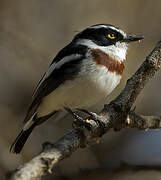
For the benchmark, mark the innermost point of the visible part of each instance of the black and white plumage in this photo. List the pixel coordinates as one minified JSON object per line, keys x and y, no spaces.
{"x":84,"y":72}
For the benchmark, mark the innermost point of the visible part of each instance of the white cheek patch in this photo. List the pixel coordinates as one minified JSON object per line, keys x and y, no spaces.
{"x":117,"y":51}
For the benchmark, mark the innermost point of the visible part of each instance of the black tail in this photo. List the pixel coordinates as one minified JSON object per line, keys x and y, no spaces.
{"x":21,"y":139}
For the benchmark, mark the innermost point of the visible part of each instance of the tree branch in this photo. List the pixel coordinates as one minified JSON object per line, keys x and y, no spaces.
{"x":143,"y":122}
{"x":115,"y":115}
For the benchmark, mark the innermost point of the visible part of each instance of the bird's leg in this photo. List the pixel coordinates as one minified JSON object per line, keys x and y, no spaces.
{"x":78,"y":120}
{"x":94,"y":117}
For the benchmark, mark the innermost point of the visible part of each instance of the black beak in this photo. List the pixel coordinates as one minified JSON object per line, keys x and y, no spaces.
{"x":131,"y":38}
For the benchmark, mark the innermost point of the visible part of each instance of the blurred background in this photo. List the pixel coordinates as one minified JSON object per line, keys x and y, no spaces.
{"x":31,"y":34}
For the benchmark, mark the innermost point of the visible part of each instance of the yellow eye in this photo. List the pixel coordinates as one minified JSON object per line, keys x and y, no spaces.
{"x":111,"y":36}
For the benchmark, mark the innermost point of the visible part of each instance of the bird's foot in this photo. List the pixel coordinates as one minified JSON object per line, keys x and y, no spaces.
{"x":78,"y":120}
{"x":94,"y":117}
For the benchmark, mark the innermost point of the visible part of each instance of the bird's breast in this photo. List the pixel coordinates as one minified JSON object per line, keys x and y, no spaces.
{"x":101,"y":82}
{"x":103,"y":59}
{"x":93,"y":83}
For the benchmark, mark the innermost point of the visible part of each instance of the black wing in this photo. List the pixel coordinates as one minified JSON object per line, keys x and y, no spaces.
{"x":65,"y":66}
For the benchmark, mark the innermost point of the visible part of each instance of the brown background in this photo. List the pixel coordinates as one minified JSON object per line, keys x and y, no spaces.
{"x":31,"y":33}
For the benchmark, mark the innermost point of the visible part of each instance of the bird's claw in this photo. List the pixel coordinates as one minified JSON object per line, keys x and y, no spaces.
{"x":94,"y":117}
{"x":78,"y":120}
{"x":81,"y":123}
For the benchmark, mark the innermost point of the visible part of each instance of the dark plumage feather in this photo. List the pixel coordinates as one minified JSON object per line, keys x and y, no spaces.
{"x":59,"y":74}
{"x":21,"y":139}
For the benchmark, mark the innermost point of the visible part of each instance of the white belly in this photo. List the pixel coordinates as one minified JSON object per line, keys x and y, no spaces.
{"x":82,"y":92}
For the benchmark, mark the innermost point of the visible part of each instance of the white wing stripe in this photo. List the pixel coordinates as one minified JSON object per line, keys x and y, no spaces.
{"x":58,"y":65}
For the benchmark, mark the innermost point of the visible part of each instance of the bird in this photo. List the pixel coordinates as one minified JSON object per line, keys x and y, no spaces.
{"x":83,"y":73}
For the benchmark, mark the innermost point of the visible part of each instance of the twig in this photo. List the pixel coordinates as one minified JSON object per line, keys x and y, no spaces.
{"x":143,"y":122}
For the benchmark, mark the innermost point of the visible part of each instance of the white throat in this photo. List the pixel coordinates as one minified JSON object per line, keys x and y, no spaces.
{"x":117,"y":51}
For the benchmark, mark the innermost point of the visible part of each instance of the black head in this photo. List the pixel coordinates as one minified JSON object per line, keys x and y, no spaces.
{"x":105,"y":35}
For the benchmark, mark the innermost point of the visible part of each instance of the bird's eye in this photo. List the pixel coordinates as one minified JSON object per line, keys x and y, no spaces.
{"x":111,"y":36}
